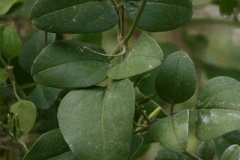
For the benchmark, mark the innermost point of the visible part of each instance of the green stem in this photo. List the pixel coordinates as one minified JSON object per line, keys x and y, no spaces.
{"x":155,"y":113}
{"x":23,"y":145}
{"x":131,"y":30}
{"x":115,"y":4}
{"x":13,"y":82}
{"x":145,"y":116}
{"x":28,"y":85}
{"x":121,"y":24}
{"x":198,"y":21}
{"x":2,"y":61}
{"x":191,"y":156}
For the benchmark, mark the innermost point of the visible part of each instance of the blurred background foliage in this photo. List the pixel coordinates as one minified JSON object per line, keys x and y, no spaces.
{"x":212,"y":39}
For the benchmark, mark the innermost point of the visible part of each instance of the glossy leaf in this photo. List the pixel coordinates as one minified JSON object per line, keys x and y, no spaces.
{"x":137,"y":142}
{"x":176,"y":79}
{"x":145,"y":55}
{"x":165,"y":154}
{"x":209,"y":122}
{"x":3,"y":75}
{"x":5,"y":5}
{"x":92,"y":121}
{"x":161,"y":15}
{"x":220,"y":93}
{"x":10,"y":43}
{"x":32,"y":48}
{"x":218,"y":104}
{"x":231,"y":153}
{"x":206,"y":150}
{"x":172,"y":132}
{"x":27,"y":114}
{"x":43,"y":96}
{"x":70,"y":16}
{"x":70,"y":64}
{"x":49,"y":145}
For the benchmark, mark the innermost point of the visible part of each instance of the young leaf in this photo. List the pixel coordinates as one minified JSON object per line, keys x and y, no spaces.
{"x":172,"y":132}
{"x":145,"y":55}
{"x":160,"y":15}
{"x":27,"y":114}
{"x":32,"y":48}
{"x":43,"y":96}
{"x":176,"y":79}
{"x":97,"y":123}
{"x":207,"y":150}
{"x":165,"y":154}
{"x":3,"y":75}
{"x":70,"y":64}
{"x":80,"y":16}
{"x":231,"y":153}
{"x":10,"y":42}
{"x":49,"y":145}
{"x":218,"y":105}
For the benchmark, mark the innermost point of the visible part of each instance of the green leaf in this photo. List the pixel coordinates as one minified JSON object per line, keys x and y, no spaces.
{"x":207,"y":150}
{"x":49,"y":145}
{"x":147,"y":85}
{"x":176,"y":79}
{"x":70,"y":64}
{"x":80,"y":16}
{"x":231,"y":153}
{"x":27,"y":114}
{"x":32,"y":48}
{"x":227,"y":6}
{"x":5,"y":5}
{"x":160,"y":15}
{"x":145,"y":55}
{"x":218,"y":104}
{"x":10,"y":45}
{"x":95,"y":38}
{"x":228,"y":139}
{"x":43,"y":96}
{"x":3,"y":75}
{"x":172,"y":132}
{"x":137,"y":142}
{"x":220,"y":93}
{"x":209,"y":122}
{"x":97,"y":123}
{"x":165,"y":154}
{"x":65,"y":156}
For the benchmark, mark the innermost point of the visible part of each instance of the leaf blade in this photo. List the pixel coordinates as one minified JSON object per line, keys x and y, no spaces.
{"x":55,"y":16}
{"x":93,"y":123}
{"x":42,"y":149}
{"x":160,"y":15}
{"x":172,"y":132}
{"x":70,"y":64}
{"x":27,"y":114}
{"x":145,"y":55}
